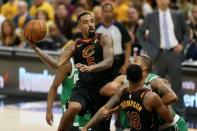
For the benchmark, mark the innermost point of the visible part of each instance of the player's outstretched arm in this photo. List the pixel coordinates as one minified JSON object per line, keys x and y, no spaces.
{"x":108,"y":55}
{"x":52,"y":62}
{"x":162,"y":87}
{"x":154,"y":102}
{"x":113,"y":87}
{"x":104,"y":111}
{"x":61,"y":73}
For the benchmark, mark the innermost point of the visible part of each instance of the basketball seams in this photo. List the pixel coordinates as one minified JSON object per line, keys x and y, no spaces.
{"x":36,"y":30}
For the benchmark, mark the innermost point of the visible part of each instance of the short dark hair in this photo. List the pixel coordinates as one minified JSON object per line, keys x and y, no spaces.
{"x":147,"y":61}
{"x":134,"y":73}
{"x":82,"y":14}
{"x":107,"y":4}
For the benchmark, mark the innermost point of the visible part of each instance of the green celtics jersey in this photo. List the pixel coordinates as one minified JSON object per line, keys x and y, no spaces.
{"x":149,"y":78}
{"x":68,"y":84}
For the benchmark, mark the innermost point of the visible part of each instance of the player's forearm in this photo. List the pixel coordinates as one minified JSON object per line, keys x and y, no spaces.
{"x":169,"y":98}
{"x":167,"y":115}
{"x":105,"y":64}
{"x":47,"y":59}
{"x":160,"y":107}
{"x":110,"y":89}
{"x":50,"y":99}
{"x":168,"y":95}
{"x":163,"y":88}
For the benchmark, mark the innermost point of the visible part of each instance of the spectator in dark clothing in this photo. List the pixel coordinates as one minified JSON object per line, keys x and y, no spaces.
{"x":21,"y":19}
{"x":120,"y":37}
{"x":167,"y":37}
{"x":43,"y":16}
{"x":64,"y":24}
{"x":23,"y":16}
{"x":192,"y":50}
{"x":55,"y":40}
{"x":79,"y":8}
{"x":132,"y":26}
{"x":69,"y":7}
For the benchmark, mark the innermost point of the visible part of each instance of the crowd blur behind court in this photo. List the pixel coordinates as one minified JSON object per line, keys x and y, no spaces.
{"x":60,"y":18}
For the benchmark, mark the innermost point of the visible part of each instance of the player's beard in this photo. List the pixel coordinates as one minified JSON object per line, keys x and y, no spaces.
{"x":91,"y":34}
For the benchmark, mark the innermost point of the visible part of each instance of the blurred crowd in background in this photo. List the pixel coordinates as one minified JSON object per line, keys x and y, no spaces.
{"x":60,"y":18}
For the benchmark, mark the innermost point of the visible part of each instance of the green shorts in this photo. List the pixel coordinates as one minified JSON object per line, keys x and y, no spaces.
{"x":180,"y":125}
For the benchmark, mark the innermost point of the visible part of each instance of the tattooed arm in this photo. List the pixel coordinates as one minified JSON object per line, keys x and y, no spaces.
{"x":108,"y":54}
{"x":103,"y":111}
{"x":162,"y":87}
{"x":52,"y":62}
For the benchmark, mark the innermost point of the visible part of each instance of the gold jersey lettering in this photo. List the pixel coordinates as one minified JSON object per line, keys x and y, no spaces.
{"x":131,"y":103}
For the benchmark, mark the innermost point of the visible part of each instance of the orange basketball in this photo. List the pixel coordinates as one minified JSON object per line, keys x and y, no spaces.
{"x":35,"y":30}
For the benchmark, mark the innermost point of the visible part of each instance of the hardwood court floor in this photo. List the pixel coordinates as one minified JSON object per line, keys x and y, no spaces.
{"x":29,"y":116}
{"x":24,"y":120}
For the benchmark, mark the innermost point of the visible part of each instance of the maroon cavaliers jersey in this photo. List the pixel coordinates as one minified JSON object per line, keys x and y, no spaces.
{"x":139,"y":118}
{"x":90,"y":52}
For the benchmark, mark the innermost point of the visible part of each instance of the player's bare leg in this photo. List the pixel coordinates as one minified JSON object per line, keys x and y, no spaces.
{"x":69,"y":115}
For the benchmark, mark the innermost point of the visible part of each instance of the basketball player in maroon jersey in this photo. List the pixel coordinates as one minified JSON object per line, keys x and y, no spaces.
{"x":93,"y":56}
{"x":139,"y":104}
